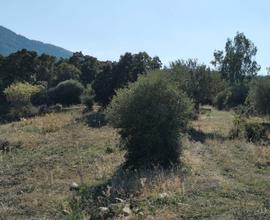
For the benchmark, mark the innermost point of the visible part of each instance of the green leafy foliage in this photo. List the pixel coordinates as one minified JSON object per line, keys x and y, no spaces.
{"x":251,"y":129}
{"x":118,"y":75}
{"x":66,"y":71}
{"x":150,"y":114}
{"x":231,"y":97}
{"x":199,"y":82}
{"x":104,"y":77}
{"x":19,"y":66}
{"x":19,"y":112}
{"x":104,"y":84}
{"x":19,"y":94}
{"x":259,"y":96}
{"x":67,"y":92}
{"x":41,"y":98}
{"x":237,"y":63}
{"x":87,"y":98}
{"x":45,"y":66}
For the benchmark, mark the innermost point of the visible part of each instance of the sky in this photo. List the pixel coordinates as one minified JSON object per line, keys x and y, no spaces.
{"x":170,"y":29}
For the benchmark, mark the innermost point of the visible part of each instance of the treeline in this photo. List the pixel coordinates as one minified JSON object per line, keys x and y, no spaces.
{"x":233,"y":83}
{"x":28,"y":80}
{"x":29,"y":83}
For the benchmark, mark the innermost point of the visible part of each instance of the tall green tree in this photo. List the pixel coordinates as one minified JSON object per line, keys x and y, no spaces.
{"x":130,"y":66}
{"x":116,"y":75}
{"x":19,"y":66}
{"x":90,"y":69}
{"x":77,"y":59}
{"x":236,"y":63}
{"x":197,"y":80}
{"x":66,"y":71}
{"x":88,"y":65}
{"x":45,"y":68}
{"x":104,"y":84}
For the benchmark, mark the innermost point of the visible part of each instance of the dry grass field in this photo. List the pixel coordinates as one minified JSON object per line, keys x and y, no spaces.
{"x":41,"y":157}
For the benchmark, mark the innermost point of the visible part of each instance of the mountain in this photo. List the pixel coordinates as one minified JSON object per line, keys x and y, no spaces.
{"x":11,"y":42}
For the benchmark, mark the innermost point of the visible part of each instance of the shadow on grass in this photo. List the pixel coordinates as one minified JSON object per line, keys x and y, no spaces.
{"x":121,"y":193}
{"x":200,"y":136}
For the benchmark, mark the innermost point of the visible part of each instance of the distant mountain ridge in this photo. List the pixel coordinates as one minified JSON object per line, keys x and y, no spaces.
{"x":11,"y":42}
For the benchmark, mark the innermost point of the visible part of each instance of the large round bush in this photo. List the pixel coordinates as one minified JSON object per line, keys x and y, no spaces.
{"x":149,"y":115}
{"x":67,"y":92}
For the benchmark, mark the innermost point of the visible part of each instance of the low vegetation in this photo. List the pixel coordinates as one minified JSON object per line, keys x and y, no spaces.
{"x":88,"y":139}
{"x":220,"y":178}
{"x":252,"y":129}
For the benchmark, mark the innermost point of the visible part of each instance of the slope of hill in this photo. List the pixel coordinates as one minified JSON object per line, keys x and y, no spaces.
{"x":11,"y":42}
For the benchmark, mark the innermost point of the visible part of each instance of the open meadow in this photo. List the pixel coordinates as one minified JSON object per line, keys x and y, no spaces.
{"x":42,"y":157}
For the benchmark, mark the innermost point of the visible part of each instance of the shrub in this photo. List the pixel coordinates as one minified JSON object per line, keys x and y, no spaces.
{"x":252,"y":129}
{"x":197,"y":80}
{"x":18,"y":112}
{"x":244,"y":110}
{"x":44,"y":109}
{"x":237,"y":95}
{"x":231,"y":97}
{"x":66,"y":93}
{"x":40,"y":98}
{"x":19,"y":94}
{"x":87,"y":98}
{"x":259,"y":98}
{"x":150,"y":114}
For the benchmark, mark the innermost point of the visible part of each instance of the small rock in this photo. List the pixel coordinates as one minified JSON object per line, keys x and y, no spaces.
{"x":74,"y":186}
{"x":163,"y":195}
{"x":140,"y":213}
{"x":127,"y":210}
{"x":103,"y":209}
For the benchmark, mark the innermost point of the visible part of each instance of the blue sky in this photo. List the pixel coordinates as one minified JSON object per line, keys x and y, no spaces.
{"x":171,"y":29}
